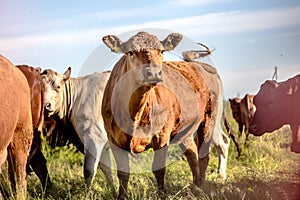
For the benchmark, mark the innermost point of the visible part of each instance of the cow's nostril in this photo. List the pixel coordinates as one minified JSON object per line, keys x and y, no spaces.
{"x":160,"y":73}
{"x":148,"y":73}
{"x":48,"y":105}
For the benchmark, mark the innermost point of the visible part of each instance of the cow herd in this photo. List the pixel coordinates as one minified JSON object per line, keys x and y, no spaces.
{"x":144,"y":102}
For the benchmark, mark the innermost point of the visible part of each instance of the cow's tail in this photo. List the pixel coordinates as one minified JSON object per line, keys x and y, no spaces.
{"x":229,"y":131}
{"x":224,"y":118}
{"x":41,"y":118}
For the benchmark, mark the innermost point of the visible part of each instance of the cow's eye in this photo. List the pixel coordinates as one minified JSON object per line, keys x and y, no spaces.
{"x":130,"y":53}
{"x":58,"y":87}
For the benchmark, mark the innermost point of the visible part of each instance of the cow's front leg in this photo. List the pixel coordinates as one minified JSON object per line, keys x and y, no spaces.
{"x":123,"y":170}
{"x":159,"y":167}
{"x":295,"y":146}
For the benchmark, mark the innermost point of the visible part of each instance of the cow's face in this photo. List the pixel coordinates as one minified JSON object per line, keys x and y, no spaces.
{"x":144,"y":54}
{"x":146,"y":65}
{"x":53,"y":84}
{"x":266,"y":102}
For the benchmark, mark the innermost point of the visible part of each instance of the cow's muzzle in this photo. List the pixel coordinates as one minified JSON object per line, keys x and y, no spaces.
{"x":153,"y":74}
{"x":48,"y":111}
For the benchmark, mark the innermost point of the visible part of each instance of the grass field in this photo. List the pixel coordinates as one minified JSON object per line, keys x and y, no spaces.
{"x":266,"y":170}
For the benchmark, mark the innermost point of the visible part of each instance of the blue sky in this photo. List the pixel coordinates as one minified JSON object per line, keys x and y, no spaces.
{"x":250,"y":37}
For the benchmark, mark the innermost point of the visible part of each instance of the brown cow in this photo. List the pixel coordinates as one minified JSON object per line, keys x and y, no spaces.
{"x":15,"y":124}
{"x":278,"y":104}
{"x":149,"y":103}
{"x":243,"y":111}
{"x":36,"y":158}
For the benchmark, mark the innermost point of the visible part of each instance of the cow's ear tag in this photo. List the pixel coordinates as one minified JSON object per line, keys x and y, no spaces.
{"x":290,"y":90}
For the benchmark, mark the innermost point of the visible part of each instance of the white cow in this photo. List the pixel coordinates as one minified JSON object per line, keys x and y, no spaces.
{"x":77,"y":102}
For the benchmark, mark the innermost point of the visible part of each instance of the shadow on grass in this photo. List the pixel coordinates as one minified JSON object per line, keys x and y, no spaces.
{"x":251,"y":189}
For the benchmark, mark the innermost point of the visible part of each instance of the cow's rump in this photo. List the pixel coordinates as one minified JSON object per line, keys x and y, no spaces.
{"x":15,"y":124}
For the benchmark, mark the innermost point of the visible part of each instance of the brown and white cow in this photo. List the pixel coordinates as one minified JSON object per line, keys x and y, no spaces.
{"x":36,"y":159}
{"x":76,"y":104}
{"x":243,"y":111}
{"x":148,"y":103}
{"x":15,"y":124}
{"x":278,"y":104}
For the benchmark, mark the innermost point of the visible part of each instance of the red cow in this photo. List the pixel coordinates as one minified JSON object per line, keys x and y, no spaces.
{"x":36,"y":158}
{"x":278,"y":104}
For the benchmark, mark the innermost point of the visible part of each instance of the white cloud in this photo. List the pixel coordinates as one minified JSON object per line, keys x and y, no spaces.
{"x":60,"y":42}
{"x":233,"y":21}
{"x":213,"y":23}
{"x":189,"y":3}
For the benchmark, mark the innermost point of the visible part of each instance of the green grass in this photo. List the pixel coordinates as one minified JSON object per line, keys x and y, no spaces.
{"x":266,"y":170}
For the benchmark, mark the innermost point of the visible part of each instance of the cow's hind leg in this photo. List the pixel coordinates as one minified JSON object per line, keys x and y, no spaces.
{"x":91,"y":161}
{"x":17,"y":159}
{"x":37,"y":161}
{"x":3,"y":156}
{"x":222,"y":147}
{"x":191,"y":152}
{"x":105,"y":166}
{"x":159,"y":168}
{"x":123,"y":170}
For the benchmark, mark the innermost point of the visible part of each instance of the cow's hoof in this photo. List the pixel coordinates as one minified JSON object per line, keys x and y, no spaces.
{"x":162,"y":194}
{"x":295,"y":147}
{"x":123,"y":196}
{"x":196,"y":190}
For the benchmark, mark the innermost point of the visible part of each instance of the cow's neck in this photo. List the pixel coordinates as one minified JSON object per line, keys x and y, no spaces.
{"x":140,"y":107}
{"x":68,"y":96}
{"x":138,"y":102}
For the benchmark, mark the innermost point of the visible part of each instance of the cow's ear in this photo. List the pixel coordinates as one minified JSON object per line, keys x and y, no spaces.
{"x":113,"y":42}
{"x":38,"y":69}
{"x":67,"y":74}
{"x":172,"y":41}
